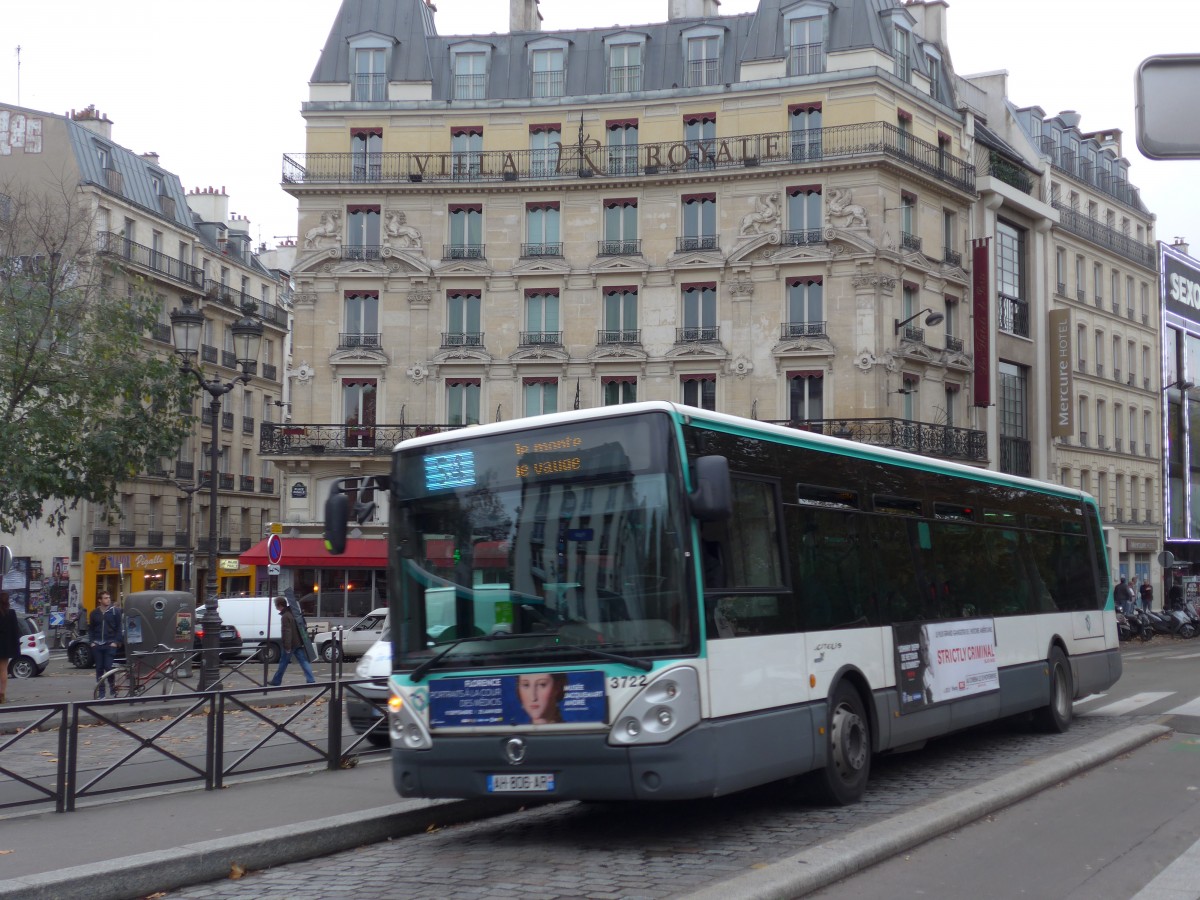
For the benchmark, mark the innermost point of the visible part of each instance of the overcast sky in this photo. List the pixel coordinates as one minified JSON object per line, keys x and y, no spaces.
{"x":215,"y":87}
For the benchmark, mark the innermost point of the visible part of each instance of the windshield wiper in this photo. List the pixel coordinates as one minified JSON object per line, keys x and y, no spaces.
{"x":423,"y":669}
{"x":635,"y":662}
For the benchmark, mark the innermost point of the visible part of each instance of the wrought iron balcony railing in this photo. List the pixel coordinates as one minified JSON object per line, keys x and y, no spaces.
{"x":619,"y":248}
{"x":801,"y":237}
{"x":1100,"y":234}
{"x":951,"y":257}
{"x":246,"y":483}
{"x":462,"y":338}
{"x":839,"y":142}
{"x":910,"y":241}
{"x":185,"y":469}
{"x":619,"y":336}
{"x":182,"y":539}
{"x":266,"y":485}
{"x":542,"y":338}
{"x":534,"y":250}
{"x":354,"y":340}
{"x":100,"y":537}
{"x":801,"y":329}
{"x":1013,"y":315}
{"x":470,"y":87}
{"x":154,"y":538}
{"x":1016,"y":456}
{"x":624,"y":78}
{"x":697,"y":242}
{"x":463,"y":251}
{"x":806,"y":59}
{"x":151,"y":260}
{"x":127,"y":538}
{"x":703,"y":334}
{"x":302,"y":440}
{"x":225,"y":481}
{"x":943,"y":441}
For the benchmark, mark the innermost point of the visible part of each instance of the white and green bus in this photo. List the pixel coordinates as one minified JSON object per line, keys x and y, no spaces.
{"x":656,"y":602}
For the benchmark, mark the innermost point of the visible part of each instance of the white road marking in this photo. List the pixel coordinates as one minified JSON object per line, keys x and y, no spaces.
{"x":1129,"y":704}
{"x":1191,"y":708}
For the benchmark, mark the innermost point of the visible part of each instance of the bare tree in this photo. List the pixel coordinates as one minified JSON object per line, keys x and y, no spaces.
{"x":85,"y":403}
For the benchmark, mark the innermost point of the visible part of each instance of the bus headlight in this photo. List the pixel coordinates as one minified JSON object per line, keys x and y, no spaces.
{"x":406,"y":726}
{"x":661,"y":711}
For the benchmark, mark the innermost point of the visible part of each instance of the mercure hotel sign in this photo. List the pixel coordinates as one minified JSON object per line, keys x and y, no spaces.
{"x":1062,"y":418}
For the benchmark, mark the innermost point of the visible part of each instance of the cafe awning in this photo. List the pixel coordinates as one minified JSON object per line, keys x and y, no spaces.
{"x":361,"y":553}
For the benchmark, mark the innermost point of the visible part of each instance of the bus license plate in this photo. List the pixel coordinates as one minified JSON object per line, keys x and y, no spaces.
{"x":509,"y":783}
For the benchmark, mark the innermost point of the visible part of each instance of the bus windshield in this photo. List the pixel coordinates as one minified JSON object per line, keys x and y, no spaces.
{"x":560,"y":543}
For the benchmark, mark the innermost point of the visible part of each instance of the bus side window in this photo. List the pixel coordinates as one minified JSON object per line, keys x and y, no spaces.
{"x":891,"y":551}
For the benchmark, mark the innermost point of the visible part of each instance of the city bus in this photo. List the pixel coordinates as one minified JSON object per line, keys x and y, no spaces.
{"x":656,"y":602}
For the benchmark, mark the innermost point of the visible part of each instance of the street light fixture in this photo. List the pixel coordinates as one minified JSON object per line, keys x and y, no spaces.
{"x":934,"y":318}
{"x":190,"y":567}
{"x":187,"y":326}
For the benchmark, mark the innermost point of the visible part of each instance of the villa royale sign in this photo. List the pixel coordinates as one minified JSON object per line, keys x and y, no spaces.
{"x":1062,"y":418}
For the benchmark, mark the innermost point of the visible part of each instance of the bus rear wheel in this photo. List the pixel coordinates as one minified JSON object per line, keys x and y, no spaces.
{"x":1055,"y":716}
{"x":843,"y":780}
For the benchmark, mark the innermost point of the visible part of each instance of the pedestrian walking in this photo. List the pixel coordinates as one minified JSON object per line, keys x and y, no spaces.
{"x":293,"y":644}
{"x":107,"y":637}
{"x":10,"y":641}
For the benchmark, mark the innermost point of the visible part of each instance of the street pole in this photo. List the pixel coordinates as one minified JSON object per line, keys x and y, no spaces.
{"x":187,"y":324}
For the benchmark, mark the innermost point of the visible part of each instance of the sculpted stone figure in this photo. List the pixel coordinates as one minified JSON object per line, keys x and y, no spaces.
{"x":764,"y":218}
{"x":840,"y":207}
{"x":328,"y":228}
{"x":400,"y":233}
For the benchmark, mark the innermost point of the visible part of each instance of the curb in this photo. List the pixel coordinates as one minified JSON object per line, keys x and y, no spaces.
{"x":823,"y":864}
{"x":149,"y":873}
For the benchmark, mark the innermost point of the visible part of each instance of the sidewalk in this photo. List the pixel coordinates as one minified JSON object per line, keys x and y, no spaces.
{"x":136,"y":847}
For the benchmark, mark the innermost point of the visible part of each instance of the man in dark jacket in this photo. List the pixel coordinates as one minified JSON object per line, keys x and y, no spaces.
{"x":107,"y":637}
{"x":1123,"y":597}
{"x":293,"y":644}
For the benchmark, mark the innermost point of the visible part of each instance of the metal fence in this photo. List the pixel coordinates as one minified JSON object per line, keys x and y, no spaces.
{"x":60,"y":754}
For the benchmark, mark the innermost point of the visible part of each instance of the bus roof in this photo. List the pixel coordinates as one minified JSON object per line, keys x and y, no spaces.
{"x":750,"y":426}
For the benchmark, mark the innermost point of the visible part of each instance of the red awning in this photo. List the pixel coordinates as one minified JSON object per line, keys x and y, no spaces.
{"x":361,"y":553}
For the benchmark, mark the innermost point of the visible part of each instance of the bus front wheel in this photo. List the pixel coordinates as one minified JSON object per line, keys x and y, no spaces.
{"x":1055,"y":716}
{"x":843,"y":780}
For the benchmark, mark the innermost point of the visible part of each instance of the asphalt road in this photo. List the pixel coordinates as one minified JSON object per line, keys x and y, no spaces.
{"x":755,"y":844}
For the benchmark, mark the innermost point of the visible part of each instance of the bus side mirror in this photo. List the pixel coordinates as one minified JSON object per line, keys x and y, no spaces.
{"x":337,"y":512}
{"x":712,"y":499}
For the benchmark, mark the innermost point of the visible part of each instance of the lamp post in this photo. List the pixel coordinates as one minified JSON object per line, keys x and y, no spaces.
{"x":189,"y":490}
{"x":187,"y":326}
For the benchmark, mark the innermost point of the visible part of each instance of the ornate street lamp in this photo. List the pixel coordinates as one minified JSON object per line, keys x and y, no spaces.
{"x":187,"y":326}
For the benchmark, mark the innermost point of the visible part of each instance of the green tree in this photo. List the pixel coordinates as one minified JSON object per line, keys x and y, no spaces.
{"x":85,"y":403}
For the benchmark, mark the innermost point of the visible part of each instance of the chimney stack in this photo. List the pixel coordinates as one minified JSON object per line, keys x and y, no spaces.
{"x":523,"y":15}
{"x":93,"y":121}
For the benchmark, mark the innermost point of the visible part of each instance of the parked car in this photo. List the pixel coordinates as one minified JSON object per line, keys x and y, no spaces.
{"x":366,"y":704}
{"x":356,"y":640}
{"x":35,"y":653}
{"x":229,"y":646}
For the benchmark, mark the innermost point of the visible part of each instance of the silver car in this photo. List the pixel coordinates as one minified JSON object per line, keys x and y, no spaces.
{"x":366,"y":704}
{"x":356,"y":640}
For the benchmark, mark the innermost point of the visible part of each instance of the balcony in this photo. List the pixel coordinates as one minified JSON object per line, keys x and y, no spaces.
{"x":185,"y":469}
{"x":619,"y":248}
{"x":370,"y":86}
{"x":625,"y":336}
{"x":910,"y":242}
{"x":304,"y":440}
{"x":541,"y":338}
{"x":706,"y":334}
{"x":269,"y":372}
{"x":266,"y":485}
{"x":462,"y":339}
{"x":470,"y":87}
{"x":154,"y":538}
{"x":182,"y":539}
{"x":532,"y":251}
{"x":246,"y":483}
{"x":161,"y":333}
{"x":863,"y":141}
{"x":1103,"y":236}
{"x":356,"y":340}
{"x":150,"y":260}
{"x":225,"y":481}
{"x":227,"y":421}
{"x":1012,"y":315}
{"x":245,"y":544}
{"x":914,"y":333}
{"x":942,"y":441}
{"x":953,"y":344}
{"x":1016,"y":456}
{"x":951,"y":257}
{"x":362,"y":252}
{"x":623,"y":79}
{"x":224,"y":545}
{"x":992,"y":163}
{"x":806,"y":59}
{"x":247,"y":424}
{"x":801,"y":237}
{"x":697,"y":242}
{"x":100,"y":538}
{"x":127,"y":538}
{"x":204,"y":478}
{"x":463,"y":251}
{"x":791,"y":330}
{"x":701,"y":72}
{"x":548,"y":83}
{"x":208,"y":353}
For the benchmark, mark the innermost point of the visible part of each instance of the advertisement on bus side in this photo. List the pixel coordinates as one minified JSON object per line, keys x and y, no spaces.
{"x":940,"y":661}
{"x":533,"y":698}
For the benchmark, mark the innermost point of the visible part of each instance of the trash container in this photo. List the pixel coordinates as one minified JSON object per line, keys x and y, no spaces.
{"x":159,"y":618}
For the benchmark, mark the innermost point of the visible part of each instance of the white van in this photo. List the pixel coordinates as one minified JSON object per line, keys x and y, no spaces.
{"x":255,"y":619}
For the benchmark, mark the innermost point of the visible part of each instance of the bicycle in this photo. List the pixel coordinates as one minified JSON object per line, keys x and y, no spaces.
{"x":132,"y":678}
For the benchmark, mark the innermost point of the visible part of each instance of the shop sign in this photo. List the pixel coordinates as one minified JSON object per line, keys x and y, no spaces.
{"x":1141,"y":545}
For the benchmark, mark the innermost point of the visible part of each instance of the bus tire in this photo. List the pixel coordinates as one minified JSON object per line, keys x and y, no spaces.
{"x":1055,"y":716}
{"x":843,"y":779}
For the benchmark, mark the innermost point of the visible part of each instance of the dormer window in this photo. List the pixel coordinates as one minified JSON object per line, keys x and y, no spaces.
{"x":370,"y":74}
{"x":806,"y":46}
{"x":902,"y":53}
{"x":934,"y":60}
{"x":703,"y":59}
{"x":469,"y":64}
{"x":548,"y":72}
{"x":624,"y":68}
